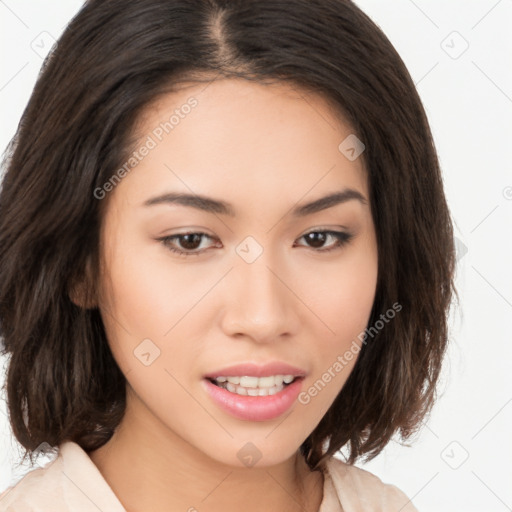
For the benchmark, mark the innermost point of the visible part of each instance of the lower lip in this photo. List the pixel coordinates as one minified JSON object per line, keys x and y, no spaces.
{"x":255,"y":408}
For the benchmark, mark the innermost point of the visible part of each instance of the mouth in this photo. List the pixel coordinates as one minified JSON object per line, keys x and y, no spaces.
{"x":252,"y":398}
{"x":254,"y":386}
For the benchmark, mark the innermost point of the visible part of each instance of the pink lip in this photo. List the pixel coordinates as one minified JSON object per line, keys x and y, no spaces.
{"x":255,"y":370}
{"x":254,"y":408}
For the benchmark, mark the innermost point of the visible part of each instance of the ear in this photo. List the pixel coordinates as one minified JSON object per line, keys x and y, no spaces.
{"x":81,"y":289}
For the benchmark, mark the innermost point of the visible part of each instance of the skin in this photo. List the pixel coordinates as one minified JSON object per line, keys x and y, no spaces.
{"x":264,"y":149}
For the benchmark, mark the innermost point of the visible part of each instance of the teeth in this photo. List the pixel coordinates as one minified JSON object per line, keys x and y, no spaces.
{"x":254,"y":391}
{"x":254,"y":386}
{"x":250,"y":382}
{"x":257,"y":382}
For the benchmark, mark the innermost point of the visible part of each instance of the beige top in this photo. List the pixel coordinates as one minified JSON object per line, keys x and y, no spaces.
{"x":73,"y":483}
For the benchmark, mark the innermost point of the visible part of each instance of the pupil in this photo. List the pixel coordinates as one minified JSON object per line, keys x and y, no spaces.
{"x":317,"y":237}
{"x":188,"y":244}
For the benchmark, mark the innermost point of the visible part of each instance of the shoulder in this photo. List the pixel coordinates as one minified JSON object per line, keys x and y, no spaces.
{"x":34,"y":491}
{"x":69,"y":483}
{"x":359,"y":490}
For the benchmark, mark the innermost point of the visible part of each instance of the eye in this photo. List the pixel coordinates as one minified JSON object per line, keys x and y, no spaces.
{"x":187,"y":244}
{"x":319,"y":237}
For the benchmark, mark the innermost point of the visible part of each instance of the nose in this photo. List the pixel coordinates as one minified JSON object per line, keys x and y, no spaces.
{"x":259,"y":301}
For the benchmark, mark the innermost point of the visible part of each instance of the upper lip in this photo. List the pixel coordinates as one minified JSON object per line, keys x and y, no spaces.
{"x":257,"y":370}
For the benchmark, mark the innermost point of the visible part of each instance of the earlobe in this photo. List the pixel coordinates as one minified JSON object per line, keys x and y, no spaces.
{"x":81,"y":290}
{"x":78,"y":294}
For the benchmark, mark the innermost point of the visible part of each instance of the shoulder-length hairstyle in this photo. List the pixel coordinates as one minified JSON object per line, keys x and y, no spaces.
{"x":113,"y":60}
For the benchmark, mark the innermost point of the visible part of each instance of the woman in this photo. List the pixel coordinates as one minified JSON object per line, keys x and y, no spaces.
{"x":225,"y":255}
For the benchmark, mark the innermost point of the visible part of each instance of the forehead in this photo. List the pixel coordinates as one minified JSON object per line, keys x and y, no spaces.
{"x":241,"y":140}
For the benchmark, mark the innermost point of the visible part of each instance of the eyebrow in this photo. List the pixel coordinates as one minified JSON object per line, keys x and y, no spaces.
{"x":211,"y":205}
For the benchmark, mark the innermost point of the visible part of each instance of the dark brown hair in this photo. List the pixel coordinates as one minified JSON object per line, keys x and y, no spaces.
{"x":113,"y":60}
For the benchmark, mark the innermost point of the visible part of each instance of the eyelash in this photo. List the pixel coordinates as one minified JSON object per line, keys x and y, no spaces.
{"x":342,"y":238}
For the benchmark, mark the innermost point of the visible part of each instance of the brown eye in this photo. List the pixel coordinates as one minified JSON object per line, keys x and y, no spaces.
{"x":317,"y":239}
{"x":185,"y":244}
{"x":190,"y":242}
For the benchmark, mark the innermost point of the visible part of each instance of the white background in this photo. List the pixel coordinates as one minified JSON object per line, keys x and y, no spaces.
{"x":461,"y":459}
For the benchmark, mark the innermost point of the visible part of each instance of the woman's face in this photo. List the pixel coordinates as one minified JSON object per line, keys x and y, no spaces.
{"x":262,"y":284}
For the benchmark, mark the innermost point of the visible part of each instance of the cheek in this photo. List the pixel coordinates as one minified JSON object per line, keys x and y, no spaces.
{"x":151,"y":295}
{"x":150,"y":299}
{"x":148,"y":324}
{"x":343,"y":296}
{"x":352,"y":304}
{"x":343,"y":293}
